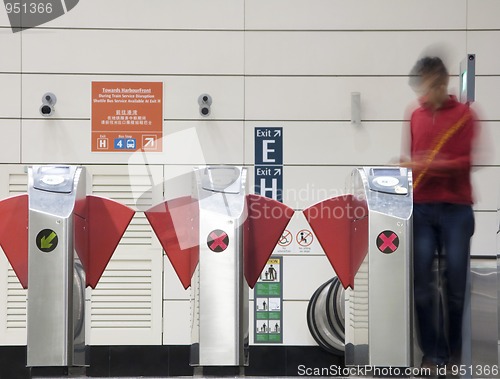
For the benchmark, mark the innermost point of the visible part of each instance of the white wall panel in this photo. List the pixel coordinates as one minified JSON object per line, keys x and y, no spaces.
{"x":54,"y":141}
{"x":60,"y":141}
{"x":486,"y":183}
{"x":10,"y":43}
{"x":484,"y":238}
{"x":302,"y":275}
{"x":133,"y":52}
{"x":295,"y":330}
{"x":482,"y":43}
{"x":4,"y":21}
{"x":154,"y":14}
{"x":178,"y":181}
{"x":203,"y":142}
{"x":356,"y":15}
{"x":176,"y":323}
{"x":483,"y":14}
{"x":10,"y":105}
{"x":180,"y":94}
{"x":11,"y":135}
{"x":172,"y":286}
{"x":304,"y":186}
{"x":487,"y":150}
{"x":487,"y":97}
{"x":346,"y":53}
{"x":329,"y":98}
{"x":325,"y":98}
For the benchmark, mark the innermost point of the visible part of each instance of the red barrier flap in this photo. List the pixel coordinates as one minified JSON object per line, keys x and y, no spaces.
{"x":98,"y":235}
{"x":176,"y":224}
{"x":266,"y":220}
{"x":14,"y":234}
{"x":341,"y":226}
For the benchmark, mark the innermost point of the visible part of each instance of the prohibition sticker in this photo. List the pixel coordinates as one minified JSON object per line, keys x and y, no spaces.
{"x":217,"y":240}
{"x":304,"y":237}
{"x":285,"y":239}
{"x":387,"y":242}
{"x":46,"y":240}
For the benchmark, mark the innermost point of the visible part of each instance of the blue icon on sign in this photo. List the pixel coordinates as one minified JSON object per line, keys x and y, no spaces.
{"x":119,"y":143}
{"x":131,"y":143}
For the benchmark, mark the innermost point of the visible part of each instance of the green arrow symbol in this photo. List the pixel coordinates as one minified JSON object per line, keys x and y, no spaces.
{"x":45,"y":242}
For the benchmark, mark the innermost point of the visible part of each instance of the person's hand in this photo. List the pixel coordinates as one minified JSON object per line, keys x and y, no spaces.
{"x":417,"y":163}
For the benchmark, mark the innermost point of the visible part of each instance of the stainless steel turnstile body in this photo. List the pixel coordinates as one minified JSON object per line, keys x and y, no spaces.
{"x":378,"y":308}
{"x":56,"y":292}
{"x":219,"y":291}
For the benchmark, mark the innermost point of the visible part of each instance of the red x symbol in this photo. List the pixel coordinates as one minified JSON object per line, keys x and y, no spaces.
{"x":218,"y":240}
{"x":390,"y":241}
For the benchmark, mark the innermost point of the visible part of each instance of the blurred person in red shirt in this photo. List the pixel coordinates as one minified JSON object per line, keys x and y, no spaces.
{"x":441,"y":140}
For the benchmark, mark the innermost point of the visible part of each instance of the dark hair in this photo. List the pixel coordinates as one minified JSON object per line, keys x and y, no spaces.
{"x":425,"y":67}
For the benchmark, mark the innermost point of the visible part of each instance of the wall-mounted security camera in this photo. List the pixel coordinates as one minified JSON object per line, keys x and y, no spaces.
{"x":205,"y":101}
{"x":48,"y":102}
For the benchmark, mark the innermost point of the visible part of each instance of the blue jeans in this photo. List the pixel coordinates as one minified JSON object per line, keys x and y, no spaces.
{"x":444,"y":231}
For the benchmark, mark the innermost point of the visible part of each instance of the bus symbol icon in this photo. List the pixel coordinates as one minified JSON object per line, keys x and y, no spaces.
{"x":130,"y":143}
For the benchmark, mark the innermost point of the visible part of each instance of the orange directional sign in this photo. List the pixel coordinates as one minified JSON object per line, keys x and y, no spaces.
{"x":127,"y":116}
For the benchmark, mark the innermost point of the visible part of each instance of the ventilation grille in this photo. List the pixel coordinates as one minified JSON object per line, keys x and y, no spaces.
{"x":123,"y":297}
{"x":18,"y":184}
{"x":16,"y":302}
{"x":117,"y":187}
{"x":16,"y":295}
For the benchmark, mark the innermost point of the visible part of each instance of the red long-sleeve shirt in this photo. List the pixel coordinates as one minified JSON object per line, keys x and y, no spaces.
{"x":447,"y":177}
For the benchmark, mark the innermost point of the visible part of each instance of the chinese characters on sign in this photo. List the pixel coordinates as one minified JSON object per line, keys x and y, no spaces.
{"x":127,"y":116}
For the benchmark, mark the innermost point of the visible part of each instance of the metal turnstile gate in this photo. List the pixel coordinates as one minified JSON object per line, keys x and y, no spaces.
{"x":219,"y":292}
{"x":379,"y":330}
{"x":59,"y":240}
{"x":367,"y":236}
{"x":56,"y":292}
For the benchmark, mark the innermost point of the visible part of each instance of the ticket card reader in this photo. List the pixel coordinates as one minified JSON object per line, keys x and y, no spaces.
{"x":56,"y":291}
